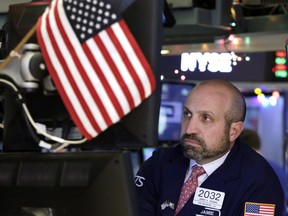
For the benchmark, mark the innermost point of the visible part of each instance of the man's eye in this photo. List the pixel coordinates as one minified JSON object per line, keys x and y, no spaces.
{"x":206,"y":118}
{"x":186,"y":114}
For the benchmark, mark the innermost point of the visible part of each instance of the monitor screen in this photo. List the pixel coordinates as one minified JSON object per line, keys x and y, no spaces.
{"x":147,"y":153}
{"x":173,"y":96}
{"x":67,"y":184}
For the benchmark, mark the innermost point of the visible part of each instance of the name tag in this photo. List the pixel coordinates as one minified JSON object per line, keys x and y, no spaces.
{"x":208,"y":198}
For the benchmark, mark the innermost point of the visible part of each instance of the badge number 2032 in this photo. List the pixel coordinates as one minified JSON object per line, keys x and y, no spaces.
{"x":209,"y":198}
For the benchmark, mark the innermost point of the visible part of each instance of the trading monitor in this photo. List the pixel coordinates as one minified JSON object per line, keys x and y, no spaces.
{"x":67,"y":184}
{"x":173,"y":97}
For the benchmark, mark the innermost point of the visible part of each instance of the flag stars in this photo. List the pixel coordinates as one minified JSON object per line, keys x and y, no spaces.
{"x":105,"y":21}
{"x":93,"y":9}
{"x":90,"y":31}
{"x":108,"y":6}
{"x":89,"y":16}
{"x":114,"y":16}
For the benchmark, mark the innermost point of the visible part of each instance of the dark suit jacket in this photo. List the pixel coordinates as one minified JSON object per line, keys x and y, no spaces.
{"x":245,"y":176}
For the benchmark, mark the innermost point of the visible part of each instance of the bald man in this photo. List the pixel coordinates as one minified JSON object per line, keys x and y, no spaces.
{"x":210,"y":172}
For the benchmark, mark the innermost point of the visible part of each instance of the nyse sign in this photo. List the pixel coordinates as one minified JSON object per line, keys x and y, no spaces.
{"x":252,"y":66}
{"x":213,"y":62}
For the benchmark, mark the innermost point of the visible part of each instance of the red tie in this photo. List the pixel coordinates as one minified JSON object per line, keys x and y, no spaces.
{"x":189,"y":187}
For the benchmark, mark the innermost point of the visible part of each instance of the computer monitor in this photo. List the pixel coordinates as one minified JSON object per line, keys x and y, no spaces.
{"x":137,"y":129}
{"x":173,"y":96}
{"x":146,"y":153}
{"x":67,"y":184}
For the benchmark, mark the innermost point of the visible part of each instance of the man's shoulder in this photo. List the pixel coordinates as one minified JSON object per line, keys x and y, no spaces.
{"x":169,"y":153}
{"x":254,"y":162}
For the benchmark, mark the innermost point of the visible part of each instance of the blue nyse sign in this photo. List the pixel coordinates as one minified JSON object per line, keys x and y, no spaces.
{"x":252,"y":67}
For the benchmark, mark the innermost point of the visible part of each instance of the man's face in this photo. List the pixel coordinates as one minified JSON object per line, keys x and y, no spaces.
{"x":204,"y":133}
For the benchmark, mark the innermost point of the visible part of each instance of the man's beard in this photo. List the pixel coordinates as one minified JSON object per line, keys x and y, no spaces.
{"x":202,"y":151}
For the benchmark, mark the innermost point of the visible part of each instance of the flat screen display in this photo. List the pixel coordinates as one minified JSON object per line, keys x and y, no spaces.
{"x":173,"y":96}
{"x":67,"y":184}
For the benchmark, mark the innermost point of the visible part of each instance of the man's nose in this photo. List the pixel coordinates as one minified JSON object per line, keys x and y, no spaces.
{"x":192,"y":126}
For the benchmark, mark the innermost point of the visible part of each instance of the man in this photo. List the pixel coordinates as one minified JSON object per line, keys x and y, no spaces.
{"x":232,"y":178}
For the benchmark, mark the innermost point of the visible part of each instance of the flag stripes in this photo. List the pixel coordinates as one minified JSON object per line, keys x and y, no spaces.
{"x":100,"y":80}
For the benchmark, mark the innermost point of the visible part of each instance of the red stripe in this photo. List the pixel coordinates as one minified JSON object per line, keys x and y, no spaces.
{"x":57,"y":82}
{"x":104,"y":81}
{"x":127,"y":61}
{"x":140,"y":55}
{"x":115,"y":70}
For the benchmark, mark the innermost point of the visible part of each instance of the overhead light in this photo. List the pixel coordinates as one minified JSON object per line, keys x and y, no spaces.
{"x":165,"y":52}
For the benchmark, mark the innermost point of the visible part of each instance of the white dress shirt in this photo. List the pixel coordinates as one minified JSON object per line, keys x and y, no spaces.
{"x":209,"y":168}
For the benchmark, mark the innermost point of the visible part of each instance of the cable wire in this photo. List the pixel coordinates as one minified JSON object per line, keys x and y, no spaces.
{"x":63,"y":142}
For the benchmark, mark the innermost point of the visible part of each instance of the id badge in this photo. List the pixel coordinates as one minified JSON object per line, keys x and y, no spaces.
{"x":208,"y":198}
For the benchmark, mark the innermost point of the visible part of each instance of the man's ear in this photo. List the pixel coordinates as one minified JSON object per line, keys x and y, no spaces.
{"x":235,"y":130}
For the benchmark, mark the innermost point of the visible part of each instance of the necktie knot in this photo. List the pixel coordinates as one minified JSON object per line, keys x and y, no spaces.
{"x":197,"y":171}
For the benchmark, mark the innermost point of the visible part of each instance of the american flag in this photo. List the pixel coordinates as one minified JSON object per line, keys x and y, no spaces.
{"x":253,"y":209}
{"x":95,"y":62}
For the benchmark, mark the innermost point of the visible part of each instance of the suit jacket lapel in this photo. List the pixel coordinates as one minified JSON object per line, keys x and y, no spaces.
{"x":173,"y":178}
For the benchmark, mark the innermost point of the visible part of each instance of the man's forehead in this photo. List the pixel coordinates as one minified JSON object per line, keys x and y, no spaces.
{"x":210,"y":92}
{"x":209,"y":100}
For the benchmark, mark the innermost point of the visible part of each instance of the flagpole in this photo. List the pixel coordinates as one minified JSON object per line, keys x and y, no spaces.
{"x":14,"y":52}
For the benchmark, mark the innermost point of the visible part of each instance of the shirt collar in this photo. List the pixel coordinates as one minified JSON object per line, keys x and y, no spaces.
{"x":212,"y":166}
